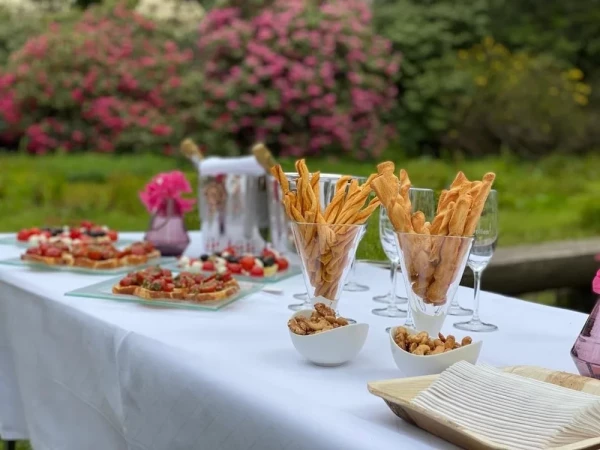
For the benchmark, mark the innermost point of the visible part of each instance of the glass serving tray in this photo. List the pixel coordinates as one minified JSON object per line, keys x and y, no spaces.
{"x":12,"y":240}
{"x":103,"y":290}
{"x":116,"y":271}
{"x":279,"y":276}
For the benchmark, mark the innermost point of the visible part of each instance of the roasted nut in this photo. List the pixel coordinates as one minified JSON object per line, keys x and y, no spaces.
{"x":439,"y":349}
{"x":427,"y":345}
{"x":322,"y":319}
{"x":422,"y":350}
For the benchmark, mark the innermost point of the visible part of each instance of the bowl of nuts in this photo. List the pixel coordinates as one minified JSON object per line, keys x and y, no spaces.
{"x":417,"y":353}
{"x":324,"y":338}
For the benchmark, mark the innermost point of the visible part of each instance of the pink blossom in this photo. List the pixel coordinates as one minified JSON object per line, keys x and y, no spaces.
{"x":596,"y":283}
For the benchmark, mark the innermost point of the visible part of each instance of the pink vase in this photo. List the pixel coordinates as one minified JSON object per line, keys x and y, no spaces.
{"x":586,"y":350}
{"x":167,"y":231}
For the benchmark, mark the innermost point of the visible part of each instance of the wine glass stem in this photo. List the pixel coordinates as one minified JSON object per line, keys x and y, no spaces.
{"x":393,"y":275}
{"x":477,"y":288}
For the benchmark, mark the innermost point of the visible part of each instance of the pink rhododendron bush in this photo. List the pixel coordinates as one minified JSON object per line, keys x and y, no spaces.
{"x":111,"y":82}
{"x":307,"y":77}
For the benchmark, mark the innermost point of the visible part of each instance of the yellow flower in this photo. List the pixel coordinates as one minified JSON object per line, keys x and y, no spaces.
{"x":574,"y":74}
{"x":497,"y":66}
{"x":488,"y":41}
{"x":553,"y":91}
{"x":463,"y":54}
{"x":480,"y":80}
{"x":580,"y":99}
{"x":583,"y":88}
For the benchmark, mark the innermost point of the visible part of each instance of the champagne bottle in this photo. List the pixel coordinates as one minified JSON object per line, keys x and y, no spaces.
{"x":264,"y":156}
{"x":189,"y":149}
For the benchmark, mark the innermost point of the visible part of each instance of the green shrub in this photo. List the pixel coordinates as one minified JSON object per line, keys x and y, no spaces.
{"x":529,"y":104}
{"x":425,"y":32}
{"x":15,"y":28}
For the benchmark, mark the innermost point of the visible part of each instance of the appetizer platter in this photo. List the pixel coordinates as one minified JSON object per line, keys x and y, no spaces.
{"x":86,"y":233}
{"x":159,"y":286}
{"x":268,"y":267}
{"x":88,"y":258}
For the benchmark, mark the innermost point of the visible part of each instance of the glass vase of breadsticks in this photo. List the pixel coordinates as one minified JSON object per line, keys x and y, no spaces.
{"x":433,"y":254}
{"x":326,"y":236}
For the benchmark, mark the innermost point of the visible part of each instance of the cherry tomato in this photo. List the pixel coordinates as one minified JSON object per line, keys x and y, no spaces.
{"x":94,"y":255}
{"x":24,"y":235}
{"x":53,"y":252}
{"x":257,"y":271}
{"x":224,"y":277}
{"x":166,"y":272}
{"x":230,"y":250}
{"x":87,"y":224}
{"x":266,"y":253}
{"x":282,"y":263}
{"x":208,"y":266}
{"x":75,"y":234}
{"x":206,"y":288}
{"x":168,"y":287}
{"x":112,"y":235}
{"x":34,"y":230}
{"x":137,"y":250}
{"x":247,"y":263}
{"x":234,"y":267}
{"x":127,"y":281}
{"x":34,"y":251}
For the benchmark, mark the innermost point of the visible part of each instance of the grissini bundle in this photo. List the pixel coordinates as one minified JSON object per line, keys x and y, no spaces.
{"x":432,"y":262}
{"x":326,"y":248}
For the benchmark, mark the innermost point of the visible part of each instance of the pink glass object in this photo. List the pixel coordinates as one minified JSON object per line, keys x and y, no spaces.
{"x":167,"y":231}
{"x":586,"y":350}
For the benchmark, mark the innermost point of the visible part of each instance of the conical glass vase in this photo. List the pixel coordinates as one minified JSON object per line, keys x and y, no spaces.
{"x":432,"y":267}
{"x":326,"y":252}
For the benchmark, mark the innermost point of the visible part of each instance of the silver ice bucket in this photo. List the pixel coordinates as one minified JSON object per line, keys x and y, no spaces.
{"x":233,"y":212}
{"x":281,"y":234}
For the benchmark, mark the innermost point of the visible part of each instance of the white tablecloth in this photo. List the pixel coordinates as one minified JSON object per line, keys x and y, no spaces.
{"x":79,"y":373}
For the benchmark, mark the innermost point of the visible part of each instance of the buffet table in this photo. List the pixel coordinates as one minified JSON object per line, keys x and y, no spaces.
{"x":79,"y":373}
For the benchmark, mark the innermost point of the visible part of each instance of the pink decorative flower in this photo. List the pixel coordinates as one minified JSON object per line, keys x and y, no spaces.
{"x":164,"y":186}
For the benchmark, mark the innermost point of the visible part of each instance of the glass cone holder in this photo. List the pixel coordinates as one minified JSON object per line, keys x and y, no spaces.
{"x":326,"y":252}
{"x":432,"y":267}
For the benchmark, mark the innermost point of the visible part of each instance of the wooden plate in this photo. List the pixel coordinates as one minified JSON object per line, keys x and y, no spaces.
{"x":398,"y":394}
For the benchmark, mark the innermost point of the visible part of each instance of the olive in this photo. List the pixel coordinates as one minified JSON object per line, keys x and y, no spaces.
{"x":203,"y":258}
{"x":233,"y":259}
{"x":269,"y":261}
{"x":217,"y":254}
{"x":96,"y":233}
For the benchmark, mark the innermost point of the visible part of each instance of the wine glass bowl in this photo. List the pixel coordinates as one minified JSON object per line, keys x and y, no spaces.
{"x":432,"y":267}
{"x":326,"y":252}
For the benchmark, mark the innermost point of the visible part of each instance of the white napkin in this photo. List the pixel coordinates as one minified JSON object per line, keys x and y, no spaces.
{"x":244,"y":165}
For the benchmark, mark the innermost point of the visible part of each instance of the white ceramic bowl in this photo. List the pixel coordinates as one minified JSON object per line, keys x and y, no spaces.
{"x":333,"y":347}
{"x":415,"y":366}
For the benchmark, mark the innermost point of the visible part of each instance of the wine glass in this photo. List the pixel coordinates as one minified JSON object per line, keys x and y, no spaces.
{"x":486,"y":238}
{"x":327,"y":184}
{"x":354,"y":286}
{"x":387,"y":237}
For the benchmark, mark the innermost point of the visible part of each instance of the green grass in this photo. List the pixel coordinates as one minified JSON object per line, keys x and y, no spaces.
{"x":552,"y":199}
{"x":20,"y":446}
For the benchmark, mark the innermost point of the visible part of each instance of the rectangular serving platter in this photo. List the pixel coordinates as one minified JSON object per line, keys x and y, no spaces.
{"x":12,"y":240}
{"x":84,"y":270}
{"x":103,"y":290}
{"x":398,"y":394}
{"x":279,"y":276}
